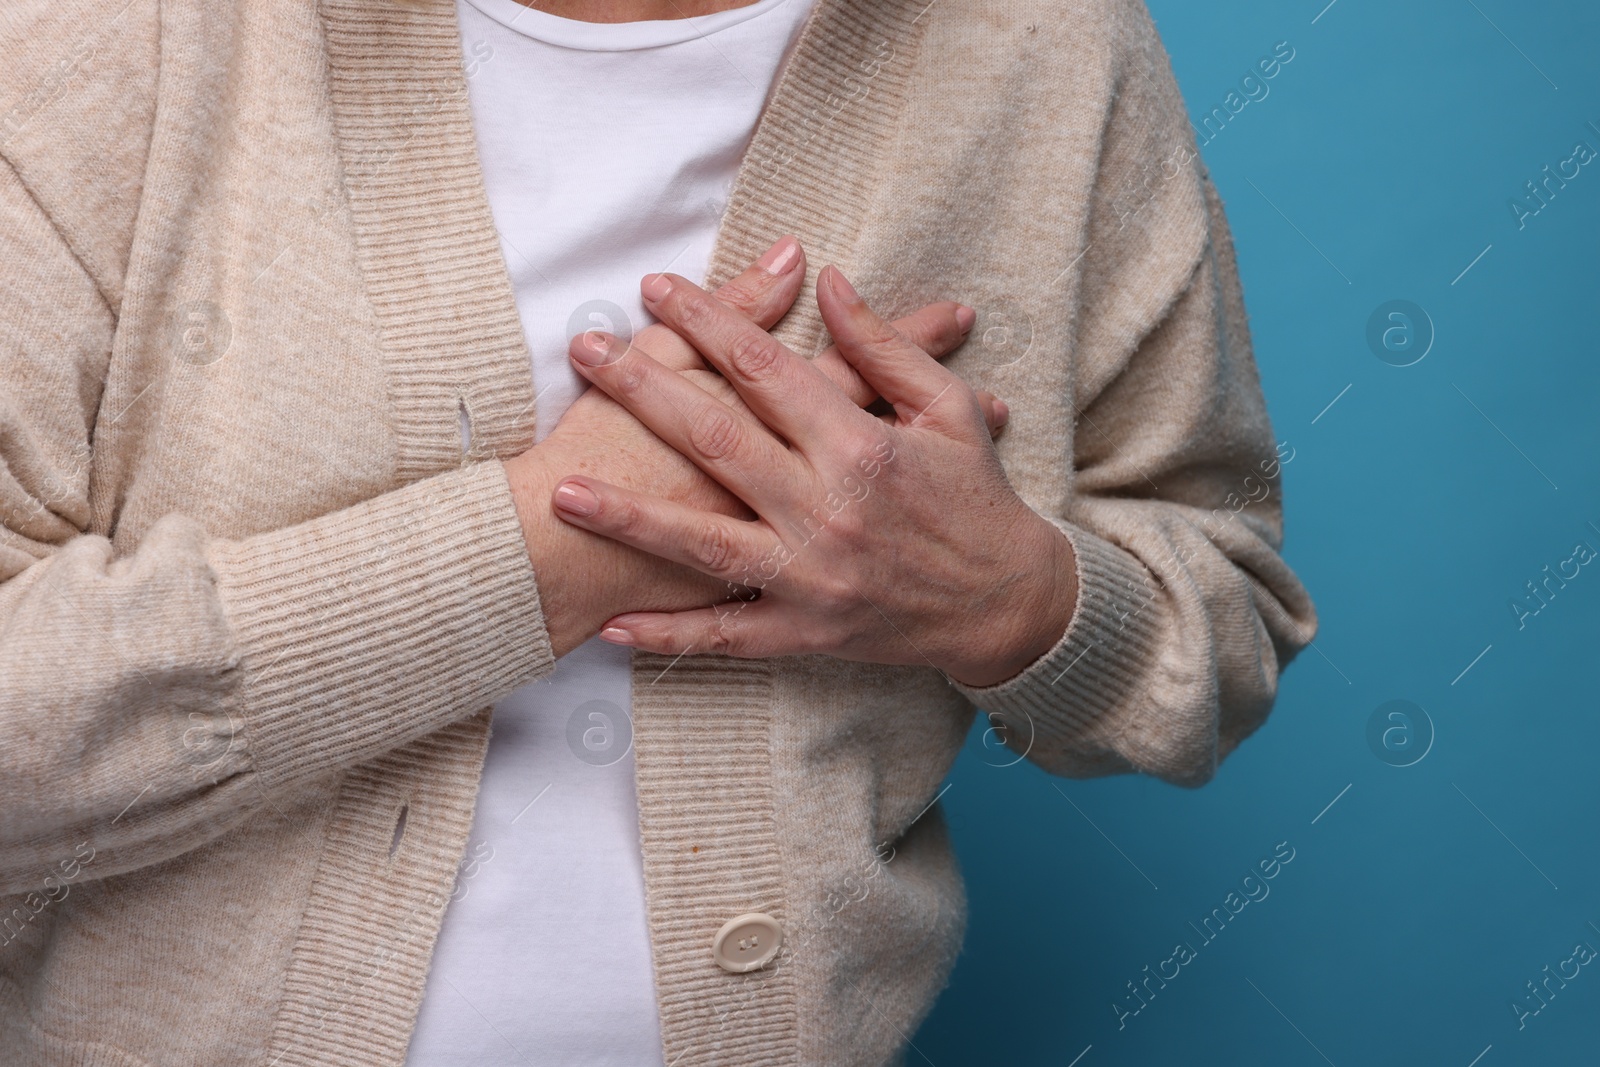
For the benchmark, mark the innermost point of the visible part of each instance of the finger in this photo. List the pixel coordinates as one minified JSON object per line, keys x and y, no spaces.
{"x":738,"y":552}
{"x":762,"y":293}
{"x":766,"y":290}
{"x":730,"y":446}
{"x":746,"y":629}
{"x":784,"y":391}
{"x":903,"y":374}
{"x":938,"y":329}
{"x":995,"y":412}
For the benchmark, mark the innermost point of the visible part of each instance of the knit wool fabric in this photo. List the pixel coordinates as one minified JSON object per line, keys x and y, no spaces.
{"x":255,"y":602}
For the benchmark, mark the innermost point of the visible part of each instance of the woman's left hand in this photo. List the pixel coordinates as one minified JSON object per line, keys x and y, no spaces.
{"x":887,"y":540}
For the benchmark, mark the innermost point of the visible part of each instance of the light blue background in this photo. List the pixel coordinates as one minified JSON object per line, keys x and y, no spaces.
{"x":1421,"y":902}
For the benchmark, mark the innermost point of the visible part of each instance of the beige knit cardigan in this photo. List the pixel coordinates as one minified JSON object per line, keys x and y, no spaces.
{"x":255,"y":602}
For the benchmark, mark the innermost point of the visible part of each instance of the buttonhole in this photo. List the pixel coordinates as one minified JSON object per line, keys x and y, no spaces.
{"x":399,"y":829}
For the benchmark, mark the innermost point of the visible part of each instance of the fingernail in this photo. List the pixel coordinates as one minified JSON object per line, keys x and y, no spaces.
{"x":1002,"y":413}
{"x":616,"y":635}
{"x":965,"y":317}
{"x":780,"y":257}
{"x":655,"y":287}
{"x":843,"y":289}
{"x":592,"y":347}
{"x":578,"y":499}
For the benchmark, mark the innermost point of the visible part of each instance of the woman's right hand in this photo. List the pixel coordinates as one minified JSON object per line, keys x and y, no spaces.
{"x":585,"y":579}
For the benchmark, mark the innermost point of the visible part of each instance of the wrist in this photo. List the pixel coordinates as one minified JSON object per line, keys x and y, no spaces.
{"x":555,"y":549}
{"x":1039,"y":613}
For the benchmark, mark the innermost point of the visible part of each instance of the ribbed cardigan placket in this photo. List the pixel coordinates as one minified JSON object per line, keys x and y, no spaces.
{"x":453,"y":343}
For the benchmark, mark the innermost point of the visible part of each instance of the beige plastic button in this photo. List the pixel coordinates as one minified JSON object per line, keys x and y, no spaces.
{"x":747,"y":943}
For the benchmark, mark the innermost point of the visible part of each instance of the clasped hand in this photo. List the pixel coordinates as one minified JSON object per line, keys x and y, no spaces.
{"x":893,"y":539}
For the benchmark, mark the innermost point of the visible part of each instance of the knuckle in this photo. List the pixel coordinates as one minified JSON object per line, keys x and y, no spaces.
{"x":693,"y":310}
{"x":756,"y":356}
{"x":712,"y":548}
{"x":849,"y":528}
{"x":627,"y":517}
{"x":871,"y":442}
{"x":884,"y":336}
{"x":721,"y":639}
{"x":715,"y":434}
{"x":741,"y":294}
{"x":835,"y":599}
{"x":871,"y":452}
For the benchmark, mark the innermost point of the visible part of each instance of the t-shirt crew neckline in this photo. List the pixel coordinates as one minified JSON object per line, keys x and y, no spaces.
{"x":615,"y":36}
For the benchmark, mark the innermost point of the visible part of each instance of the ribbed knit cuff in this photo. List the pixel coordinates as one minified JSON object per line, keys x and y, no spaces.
{"x":1111,"y":640}
{"x":361,"y":630}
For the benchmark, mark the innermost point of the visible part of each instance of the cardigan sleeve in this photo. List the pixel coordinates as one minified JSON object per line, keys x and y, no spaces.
{"x":196,"y":676}
{"x":1186,"y":612}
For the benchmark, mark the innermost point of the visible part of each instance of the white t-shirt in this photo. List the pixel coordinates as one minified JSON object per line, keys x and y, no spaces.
{"x":608,"y":151}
